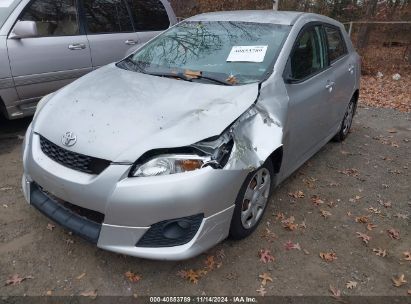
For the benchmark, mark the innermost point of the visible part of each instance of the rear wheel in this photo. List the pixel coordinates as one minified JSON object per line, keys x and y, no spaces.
{"x":252,"y":201}
{"x":347,"y":122}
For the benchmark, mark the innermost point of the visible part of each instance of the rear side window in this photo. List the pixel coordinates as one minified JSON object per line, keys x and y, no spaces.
{"x":308,"y":56}
{"x":336,"y":43}
{"x":149,"y":15}
{"x":107,"y":16}
{"x":53,"y":17}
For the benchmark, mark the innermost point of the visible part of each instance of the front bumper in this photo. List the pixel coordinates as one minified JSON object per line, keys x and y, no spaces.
{"x":132,"y":205}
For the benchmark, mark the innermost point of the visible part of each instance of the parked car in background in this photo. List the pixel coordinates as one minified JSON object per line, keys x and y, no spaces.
{"x":46,"y":44}
{"x":167,"y":152}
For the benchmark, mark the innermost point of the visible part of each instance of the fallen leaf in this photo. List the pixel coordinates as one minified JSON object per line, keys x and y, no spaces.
{"x":325,"y":213}
{"x":132,"y":277}
{"x":269,"y":235}
{"x":394,"y":233}
{"x":265,"y":256}
{"x":192,"y":276}
{"x":316,"y":200}
{"x":49,"y":293}
{"x":328,"y":256}
{"x":392,"y":130}
{"x":407,"y":255}
{"x":350,"y":172}
{"x":399,"y":281}
{"x":380,"y":252}
{"x":374,"y":210}
{"x":5,"y":206}
{"x":91,"y":294}
{"x":232,"y":80}
{"x":306,"y":251}
{"x":6,"y":188}
{"x":220,"y":254}
{"x":261,"y":291}
{"x":289,"y":223}
{"x":387,"y":204}
{"x":279,"y":216}
{"x":297,"y":194}
{"x":210,"y":262}
{"x":50,"y":226}
{"x":351,"y":284}
{"x":402,"y":216}
{"x":192,"y":74}
{"x":365,"y":238}
{"x":362,"y":219}
{"x":371,"y":226}
{"x":15,"y":279}
{"x":81,"y":276}
{"x":265,"y":277}
{"x":336,"y":293}
{"x":290,"y":245}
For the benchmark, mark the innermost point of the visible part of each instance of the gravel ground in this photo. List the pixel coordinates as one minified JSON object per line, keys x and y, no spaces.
{"x":367,"y":178}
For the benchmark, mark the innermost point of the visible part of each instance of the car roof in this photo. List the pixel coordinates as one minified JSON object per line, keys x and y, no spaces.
{"x":260,"y":16}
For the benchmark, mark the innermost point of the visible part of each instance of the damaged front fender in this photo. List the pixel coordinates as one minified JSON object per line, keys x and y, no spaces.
{"x":258,"y":132}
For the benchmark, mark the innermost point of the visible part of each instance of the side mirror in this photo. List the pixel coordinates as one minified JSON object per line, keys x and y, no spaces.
{"x":24,"y":29}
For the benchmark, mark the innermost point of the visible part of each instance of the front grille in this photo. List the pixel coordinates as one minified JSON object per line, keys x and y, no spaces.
{"x":72,"y":160}
{"x":157,"y":235}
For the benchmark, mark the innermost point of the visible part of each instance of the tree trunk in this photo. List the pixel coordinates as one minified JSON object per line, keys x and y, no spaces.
{"x":364,"y":33}
{"x":275,"y":4}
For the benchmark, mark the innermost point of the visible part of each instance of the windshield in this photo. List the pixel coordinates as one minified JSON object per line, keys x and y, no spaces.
{"x":219,"y":52}
{"x":6,"y":7}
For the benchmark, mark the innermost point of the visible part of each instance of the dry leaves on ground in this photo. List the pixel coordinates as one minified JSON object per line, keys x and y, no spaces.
{"x":16,"y":279}
{"x":365,"y":238}
{"x":297,"y":194}
{"x":336,"y":293}
{"x":399,"y":281}
{"x":325,"y":213}
{"x":328,"y":256}
{"x":132,"y":277}
{"x":289,"y":223}
{"x":351,"y":284}
{"x":407,"y":255}
{"x":265,"y":277}
{"x":290,"y":245}
{"x":393,"y":233}
{"x":265,"y":256}
{"x":380,"y":252}
{"x":261,"y":291}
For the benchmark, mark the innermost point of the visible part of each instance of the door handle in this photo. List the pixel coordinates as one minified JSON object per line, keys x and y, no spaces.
{"x":77,"y":46}
{"x":330,"y":86}
{"x":351,"y":69}
{"x":130,"y":42}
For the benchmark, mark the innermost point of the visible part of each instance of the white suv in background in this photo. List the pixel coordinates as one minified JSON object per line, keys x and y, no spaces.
{"x":46,"y":44}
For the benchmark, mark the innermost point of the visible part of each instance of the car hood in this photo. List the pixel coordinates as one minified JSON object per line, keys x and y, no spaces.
{"x":118,"y":115}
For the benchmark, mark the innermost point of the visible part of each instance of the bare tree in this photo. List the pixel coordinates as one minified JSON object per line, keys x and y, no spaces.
{"x":364,"y":33}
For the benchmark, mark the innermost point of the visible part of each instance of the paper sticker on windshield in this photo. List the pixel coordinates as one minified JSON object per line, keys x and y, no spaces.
{"x":5,"y":3}
{"x":248,"y":53}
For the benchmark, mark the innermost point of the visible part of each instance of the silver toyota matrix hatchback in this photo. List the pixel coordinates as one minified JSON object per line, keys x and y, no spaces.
{"x":178,"y":146}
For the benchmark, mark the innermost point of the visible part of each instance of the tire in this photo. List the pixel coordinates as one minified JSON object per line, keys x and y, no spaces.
{"x":347,"y":121}
{"x":241,"y":224}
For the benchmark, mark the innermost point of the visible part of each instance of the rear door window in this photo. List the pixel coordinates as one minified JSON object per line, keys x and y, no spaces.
{"x":308,"y":56}
{"x":149,"y":15}
{"x":107,"y":16}
{"x":336,"y":43}
{"x":53,"y":17}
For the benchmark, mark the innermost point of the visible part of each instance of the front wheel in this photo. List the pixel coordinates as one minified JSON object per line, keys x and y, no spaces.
{"x":252,"y":201}
{"x":347,"y":122}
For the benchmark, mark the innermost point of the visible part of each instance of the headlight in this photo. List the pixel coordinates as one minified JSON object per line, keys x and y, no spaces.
{"x":170,"y":164}
{"x":213,"y":152}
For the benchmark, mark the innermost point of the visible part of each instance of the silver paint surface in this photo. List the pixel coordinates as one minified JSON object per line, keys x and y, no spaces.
{"x":119,"y":115}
